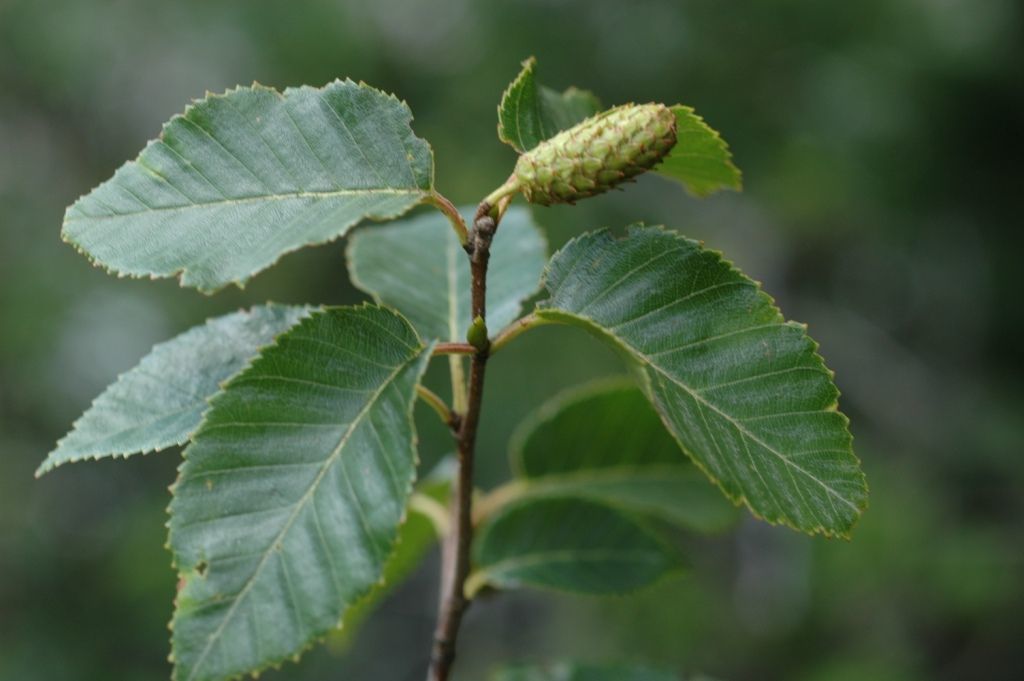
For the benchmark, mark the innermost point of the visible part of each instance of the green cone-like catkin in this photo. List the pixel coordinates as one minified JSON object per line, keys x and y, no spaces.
{"x":597,"y":154}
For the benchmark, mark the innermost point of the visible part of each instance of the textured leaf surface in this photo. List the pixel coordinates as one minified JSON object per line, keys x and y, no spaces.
{"x":530,"y":113}
{"x":160,"y":402}
{"x":568,"y":671}
{"x":604,"y":442}
{"x":418,"y":267}
{"x":292,"y":492}
{"x":242,"y":178}
{"x":700,"y":159}
{"x":417,"y":535}
{"x":744,"y":392}
{"x":569,"y":544}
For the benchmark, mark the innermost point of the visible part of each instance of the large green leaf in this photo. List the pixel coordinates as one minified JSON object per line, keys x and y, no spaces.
{"x":419,"y":267}
{"x":569,"y":671}
{"x":604,"y":442}
{"x":744,"y":392}
{"x":530,"y":113}
{"x":568,"y":544}
{"x":242,"y":178}
{"x":160,"y":402}
{"x":292,"y":492}
{"x":700,"y":160}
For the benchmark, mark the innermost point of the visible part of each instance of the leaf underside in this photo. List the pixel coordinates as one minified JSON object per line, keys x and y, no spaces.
{"x":568,"y":671}
{"x":161,"y":401}
{"x":291,"y":494}
{"x":743,"y":391}
{"x":569,"y":544}
{"x":604,"y":442}
{"x":418,"y":266}
{"x":700,"y":160}
{"x":244,"y":177}
{"x":530,"y":113}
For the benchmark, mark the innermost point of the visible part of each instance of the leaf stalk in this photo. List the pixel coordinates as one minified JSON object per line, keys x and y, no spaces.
{"x":442,"y":203}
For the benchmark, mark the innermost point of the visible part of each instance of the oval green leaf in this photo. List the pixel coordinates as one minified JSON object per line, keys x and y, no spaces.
{"x":160,"y":402}
{"x":530,"y":113}
{"x":568,"y":544}
{"x":242,"y":178}
{"x":289,"y":501}
{"x":605,"y":443}
{"x":744,"y":392}
{"x":701,"y":159}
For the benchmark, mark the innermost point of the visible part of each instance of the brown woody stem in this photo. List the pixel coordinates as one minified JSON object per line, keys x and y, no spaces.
{"x":455,"y":564}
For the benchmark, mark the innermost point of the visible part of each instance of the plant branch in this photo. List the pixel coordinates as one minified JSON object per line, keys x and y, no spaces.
{"x":455,"y":566}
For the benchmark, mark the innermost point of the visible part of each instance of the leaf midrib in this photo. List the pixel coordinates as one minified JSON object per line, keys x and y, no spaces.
{"x":195,"y":205}
{"x":314,"y":485}
{"x":573,"y":556}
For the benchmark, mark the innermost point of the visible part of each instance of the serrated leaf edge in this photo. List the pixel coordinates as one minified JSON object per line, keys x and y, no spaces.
{"x":181,"y":274}
{"x":738,"y":174}
{"x":43,"y":468}
{"x":626,"y":351}
{"x":424,"y":358}
{"x":529,"y":66}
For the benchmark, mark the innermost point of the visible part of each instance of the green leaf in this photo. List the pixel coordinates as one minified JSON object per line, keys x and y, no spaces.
{"x":160,"y":402}
{"x":242,"y":178}
{"x":425,"y":524}
{"x":530,"y":113}
{"x":605,"y":443}
{"x":568,"y":671}
{"x":743,"y":391}
{"x":289,"y":501}
{"x":418,"y":266}
{"x":568,"y":544}
{"x":700,"y":160}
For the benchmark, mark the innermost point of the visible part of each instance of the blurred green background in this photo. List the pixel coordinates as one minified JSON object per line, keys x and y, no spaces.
{"x":881,"y":142}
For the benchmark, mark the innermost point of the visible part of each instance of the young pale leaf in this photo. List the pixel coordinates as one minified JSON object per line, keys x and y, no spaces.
{"x":604,"y":442}
{"x":242,"y":178}
{"x":569,"y":671}
{"x":160,"y":402}
{"x":743,"y":391}
{"x":700,"y":160}
{"x":418,"y":266}
{"x":568,"y":544}
{"x":530,"y":113}
{"x":292,"y":492}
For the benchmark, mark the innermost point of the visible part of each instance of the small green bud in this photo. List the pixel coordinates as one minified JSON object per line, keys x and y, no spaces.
{"x":597,"y":154}
{"x":477,"y":334}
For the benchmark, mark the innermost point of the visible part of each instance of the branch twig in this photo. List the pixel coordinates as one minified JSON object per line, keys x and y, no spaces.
{"x":455,"y":559}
